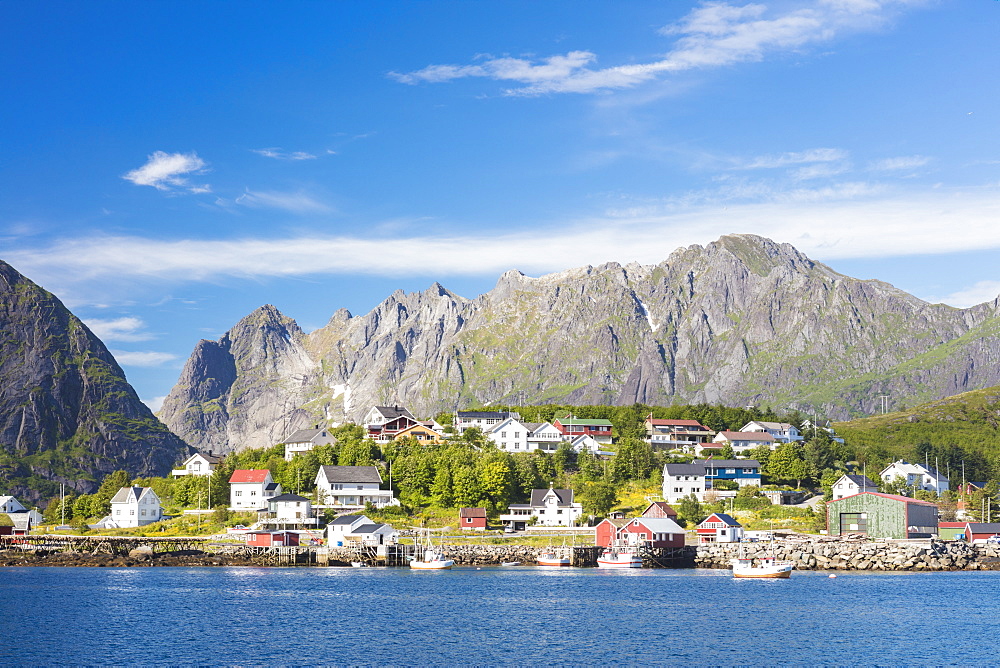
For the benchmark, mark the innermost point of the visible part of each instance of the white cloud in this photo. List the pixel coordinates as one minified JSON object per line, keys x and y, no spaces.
{"x":119,"y":329}
{"x":166,"y":171}
{"x":795,"y":158}
{"x":900,"y":163}
{"x":983,"y":291}
{"x":297,"y":202}
{"x":280,"y":154}
{"x":851,"y":220}
{"x":716,"y":34}
{"x":126,"y":358}
{"x":156,"y":403}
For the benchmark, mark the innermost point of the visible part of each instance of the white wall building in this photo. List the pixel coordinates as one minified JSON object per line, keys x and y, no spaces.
{"x":197,"y":464}
{"x":916,"y":476}
{"x":683,"y":480}
{"x":485,"y":420}
{"x":305,"y":440}
{"x":850,"y":484}
{"x":783,"y":432}
{"x":543,"y":436}
{"x":510,"y":435}
{"x":548,"y":507}
{"x":250,"y":489}
{"x":135,"y":507}
{"x":352,"y":487}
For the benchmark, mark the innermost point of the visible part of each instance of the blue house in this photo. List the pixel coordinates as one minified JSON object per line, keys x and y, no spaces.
{"x":743,"y":472}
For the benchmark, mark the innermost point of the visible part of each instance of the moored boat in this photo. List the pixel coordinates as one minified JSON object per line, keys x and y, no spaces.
{"x":431,"y":561}
{"x":619,"y":559}
{"x":552,"y":559}
{"x":767,"y":567}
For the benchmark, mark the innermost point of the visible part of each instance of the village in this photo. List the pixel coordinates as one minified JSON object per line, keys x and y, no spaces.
{"x":333,"y":518}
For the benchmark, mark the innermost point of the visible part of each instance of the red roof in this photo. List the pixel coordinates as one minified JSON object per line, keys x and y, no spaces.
{"x":249,"y":475}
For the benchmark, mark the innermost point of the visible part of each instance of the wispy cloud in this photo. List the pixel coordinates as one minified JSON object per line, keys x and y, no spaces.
{"x":716,"y":34}
{"x":119,"y":329}
{"x":983,"y":291}
{"x":900,"y":163}
{"x":144,"y":359}
{"x":835,"y":222}
{"x":167,"y":171}
{"x":794,"y":158}
{"x":280,"y":154}
{"x":296,"y":202}
{"x":156,"y":403}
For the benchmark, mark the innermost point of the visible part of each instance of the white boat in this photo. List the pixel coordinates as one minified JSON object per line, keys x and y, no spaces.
{"x":552,"y":559}
{"x":767,"y":567}
{"x":431,"y":561}
{"x":510,"y":563}
{"x":612,"y":558}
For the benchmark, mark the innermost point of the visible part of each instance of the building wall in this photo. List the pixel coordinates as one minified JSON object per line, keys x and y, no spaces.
{"x":886,"y":518}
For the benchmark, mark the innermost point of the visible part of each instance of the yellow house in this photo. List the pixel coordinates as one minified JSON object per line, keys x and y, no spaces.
{"x":424,"y":434}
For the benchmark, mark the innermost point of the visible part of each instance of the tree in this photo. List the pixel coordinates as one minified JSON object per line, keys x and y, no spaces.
{"x":443,"y":490}
{"x":727,"y":451}
{"x":689,"y":510}
{"x":787,"y":464}
{"x":633,"y":461}
{"x":495,"y":479}
{"x":467,"y":491}
{"x":598,"y":498}
{"x":101,"y":505}
{"x":895,"y":486}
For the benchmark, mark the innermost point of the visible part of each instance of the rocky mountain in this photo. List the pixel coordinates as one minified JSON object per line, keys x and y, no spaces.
{"x":67,"y":414}
{"x":743,"y":320}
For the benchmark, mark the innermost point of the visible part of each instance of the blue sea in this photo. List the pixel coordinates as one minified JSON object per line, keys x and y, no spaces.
{"x":493,"y":616}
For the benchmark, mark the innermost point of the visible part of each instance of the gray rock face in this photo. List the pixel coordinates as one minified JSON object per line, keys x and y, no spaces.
{"x":741,"y":321}
{"x":67,"y":414}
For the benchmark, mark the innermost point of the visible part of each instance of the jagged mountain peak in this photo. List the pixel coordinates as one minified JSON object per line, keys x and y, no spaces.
{"x":741,"y":320}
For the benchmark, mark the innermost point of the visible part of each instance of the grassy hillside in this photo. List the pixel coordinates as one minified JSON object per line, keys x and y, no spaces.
{"x":963,"y":428}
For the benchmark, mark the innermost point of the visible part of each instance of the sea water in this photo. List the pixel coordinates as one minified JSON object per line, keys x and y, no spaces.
{"x":493,"y":615}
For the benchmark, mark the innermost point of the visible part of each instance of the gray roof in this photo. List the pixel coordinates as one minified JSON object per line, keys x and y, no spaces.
{"x":271,"y":486}
{"x":486,"y":414}
{"x":347,"y":519}
{"x":309,"y":436}
{"x":737,"y":463}
{"x":288,"y":497}
{"x":984,"y":527}
{"x":565,"y":496}
{"x":862,"y":481}
{"x":392,"y":412}
{"x":685,"y":469}
{"x":126,"y":494}
{"x":351,"y":474}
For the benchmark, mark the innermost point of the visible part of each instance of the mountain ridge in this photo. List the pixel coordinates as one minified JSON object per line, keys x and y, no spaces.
{"x":742,"y":320}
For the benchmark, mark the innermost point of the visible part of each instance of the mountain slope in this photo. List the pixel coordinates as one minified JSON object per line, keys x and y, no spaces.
{"x":67,"y":414}
{"x":743,"y":320}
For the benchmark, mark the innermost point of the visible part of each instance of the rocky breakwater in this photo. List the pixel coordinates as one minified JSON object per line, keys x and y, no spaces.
{"x":860,"y":555}
{"x":486,"y":555}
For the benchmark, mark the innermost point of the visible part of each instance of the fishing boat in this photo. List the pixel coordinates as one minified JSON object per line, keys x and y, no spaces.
{"x":615,"y":558}
{"x":767,"y":566}
{"x":431,"y":559}
{"x":551,"y":558}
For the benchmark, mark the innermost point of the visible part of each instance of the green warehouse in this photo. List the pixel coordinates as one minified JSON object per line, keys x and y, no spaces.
{"x":881,"y":516}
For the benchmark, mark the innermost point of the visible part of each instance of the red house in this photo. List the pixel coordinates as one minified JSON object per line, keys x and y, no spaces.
{"x":571,"y":427}
{"x":719,"y":528}
{"x":272,"y":538}
{"x":652,"y":532}
{"x":980,"y":532}
{"x":472,"y":518}
{"x":660,"y":509}
{"x":606,"y":532}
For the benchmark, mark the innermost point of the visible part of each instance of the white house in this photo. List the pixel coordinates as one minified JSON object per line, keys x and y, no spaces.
{"x":741,"y":441}
{"x":135,"y":507}
{"x":339,"y":527}
{"x":251,"y":489}
{"x":543,"y":436}
{"x":352,"y":487}
{"x":783,"y":432}
{"x":719,"y":528}
{"x":20,"y":515}
{"x":683,"y":480}
{"x":509,"y":435}
{"x":916,"y":476}
{"x":548,"y":507}
{"x":850,"y":484}
{"x":354,"y":529}
{"x":290,"y":508}
{"x":485,"y":420}
{"x":197,"y":464}
{"x":305,"y":440}
{"x":583,"y":442}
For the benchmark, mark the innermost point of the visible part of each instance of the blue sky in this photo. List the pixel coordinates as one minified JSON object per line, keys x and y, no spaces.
{"x":168,"y":167}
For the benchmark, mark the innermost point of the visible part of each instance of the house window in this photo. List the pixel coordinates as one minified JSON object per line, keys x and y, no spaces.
{"x":361,"y":487}
{"x":338,"y":487}
{"x":253,"y":492}
{"x":750,"y":471}
{"x":238,"y":492}
{"x":731,"y":471}
{"x":503,"y":434}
